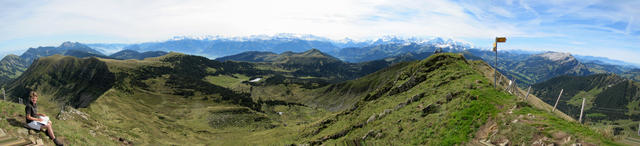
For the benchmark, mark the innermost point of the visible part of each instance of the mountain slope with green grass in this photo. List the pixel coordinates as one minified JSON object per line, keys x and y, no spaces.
{"x":611,"y":101}
{"x":443,"y":100}
{"x":608,"y":94}
{"x":131,"y":54}
{"x":11,"y":66}
{"x":180,"y":99}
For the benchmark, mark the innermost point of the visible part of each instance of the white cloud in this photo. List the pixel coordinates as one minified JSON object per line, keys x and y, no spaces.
{"x":150,"y":20}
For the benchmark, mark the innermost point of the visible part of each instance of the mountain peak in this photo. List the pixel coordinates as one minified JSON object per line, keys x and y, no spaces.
{"x":313,"y":51}
{"x":558,"y":56}
{"x":69,"y":44}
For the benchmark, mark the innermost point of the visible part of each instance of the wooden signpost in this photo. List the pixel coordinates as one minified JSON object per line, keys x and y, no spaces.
{"x":555,"y":105}
{"x":581,"y":111}
{"x":495,"y":66}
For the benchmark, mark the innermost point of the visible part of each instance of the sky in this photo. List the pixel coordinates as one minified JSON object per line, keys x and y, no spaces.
{"x":606,"y":28}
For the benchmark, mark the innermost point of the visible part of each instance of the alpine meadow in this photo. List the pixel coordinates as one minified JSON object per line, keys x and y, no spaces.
{"x":442,"y":72}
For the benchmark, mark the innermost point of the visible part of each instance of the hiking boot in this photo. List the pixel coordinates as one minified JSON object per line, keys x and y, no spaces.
{"x":58,"y":143}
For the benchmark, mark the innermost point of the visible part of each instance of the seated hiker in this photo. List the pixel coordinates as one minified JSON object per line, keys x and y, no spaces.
{"x":37,"y":120}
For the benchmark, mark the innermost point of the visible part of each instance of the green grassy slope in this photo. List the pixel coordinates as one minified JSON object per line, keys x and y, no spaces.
{"x":189,"y":100}
{"x":442,"y":100}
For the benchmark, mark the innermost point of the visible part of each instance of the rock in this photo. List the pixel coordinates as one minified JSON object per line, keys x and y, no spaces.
{"x":514,"y":121}
{"x":280,"y":113}
{"x":385,"y":112}
{"x":379,"y":135}
{"x":39,"y":141}
{"x":449,"y":97}
{"x":92,"y":133}
{"x":22,"y":131}
{"x":69,"y":113}
{"x":400,"y":106}
{"x":32,"y":132}
{"x":369,"y":134}
{"x":371,"y":119}
{"x":415,"y":98}
{"x":429,"y":109}
{"x":504,"y":143}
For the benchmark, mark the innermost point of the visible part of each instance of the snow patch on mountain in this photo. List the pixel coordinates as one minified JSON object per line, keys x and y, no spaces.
{"x":341,"y":43}
{"x":558,"y":56}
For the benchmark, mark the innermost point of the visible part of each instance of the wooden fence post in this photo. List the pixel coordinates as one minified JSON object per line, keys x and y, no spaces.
{"x":555,"y":105}
{"x":526,"y":96}
{"x":513,"y":87}
{"x":581,"y":110}
{"x":509,"y":86}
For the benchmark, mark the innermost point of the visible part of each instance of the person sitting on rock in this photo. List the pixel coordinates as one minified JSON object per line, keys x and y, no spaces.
{"x":34,"y":118}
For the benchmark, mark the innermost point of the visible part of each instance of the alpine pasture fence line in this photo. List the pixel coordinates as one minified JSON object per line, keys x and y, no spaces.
{"x":4,"y":95}
{"x":526,"y":96}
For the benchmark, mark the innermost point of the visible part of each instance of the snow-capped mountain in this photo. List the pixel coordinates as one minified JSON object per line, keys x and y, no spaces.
{"x":217,"y":46}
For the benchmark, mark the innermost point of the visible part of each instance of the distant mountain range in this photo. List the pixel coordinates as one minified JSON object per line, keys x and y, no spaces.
{"x":525,"y":66}
{"x":314,"y":63}
{"x":12,"y":66}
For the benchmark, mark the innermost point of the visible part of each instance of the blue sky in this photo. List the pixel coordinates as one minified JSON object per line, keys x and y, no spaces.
{"x":586,"y":27}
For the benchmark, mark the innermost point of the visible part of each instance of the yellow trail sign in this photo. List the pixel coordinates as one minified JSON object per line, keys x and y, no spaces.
{"x":495,"y":46}
{"x":501,"y":39}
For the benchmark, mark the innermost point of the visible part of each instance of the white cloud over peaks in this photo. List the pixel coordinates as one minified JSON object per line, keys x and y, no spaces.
{"x":538,"y":24}
{"x":159,"y":19}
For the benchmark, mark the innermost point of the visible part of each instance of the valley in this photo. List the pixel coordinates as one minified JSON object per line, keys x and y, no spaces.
{"x":179,"y":99}
{"x":310,"y":97}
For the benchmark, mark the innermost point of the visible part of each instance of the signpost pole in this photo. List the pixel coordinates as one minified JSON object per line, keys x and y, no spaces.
{"x":495,"y":66}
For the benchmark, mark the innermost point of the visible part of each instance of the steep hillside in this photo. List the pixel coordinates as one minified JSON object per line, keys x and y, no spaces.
{"x":633,"y":74}
{"x":11,"y":66}
{"x":131,"y":54}
{"x":608,"y":97}
{"x":75,"y":82}
{"x":442,"y":100}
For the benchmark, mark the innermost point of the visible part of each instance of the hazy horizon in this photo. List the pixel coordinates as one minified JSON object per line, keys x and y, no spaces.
{"x":592,"y":28}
